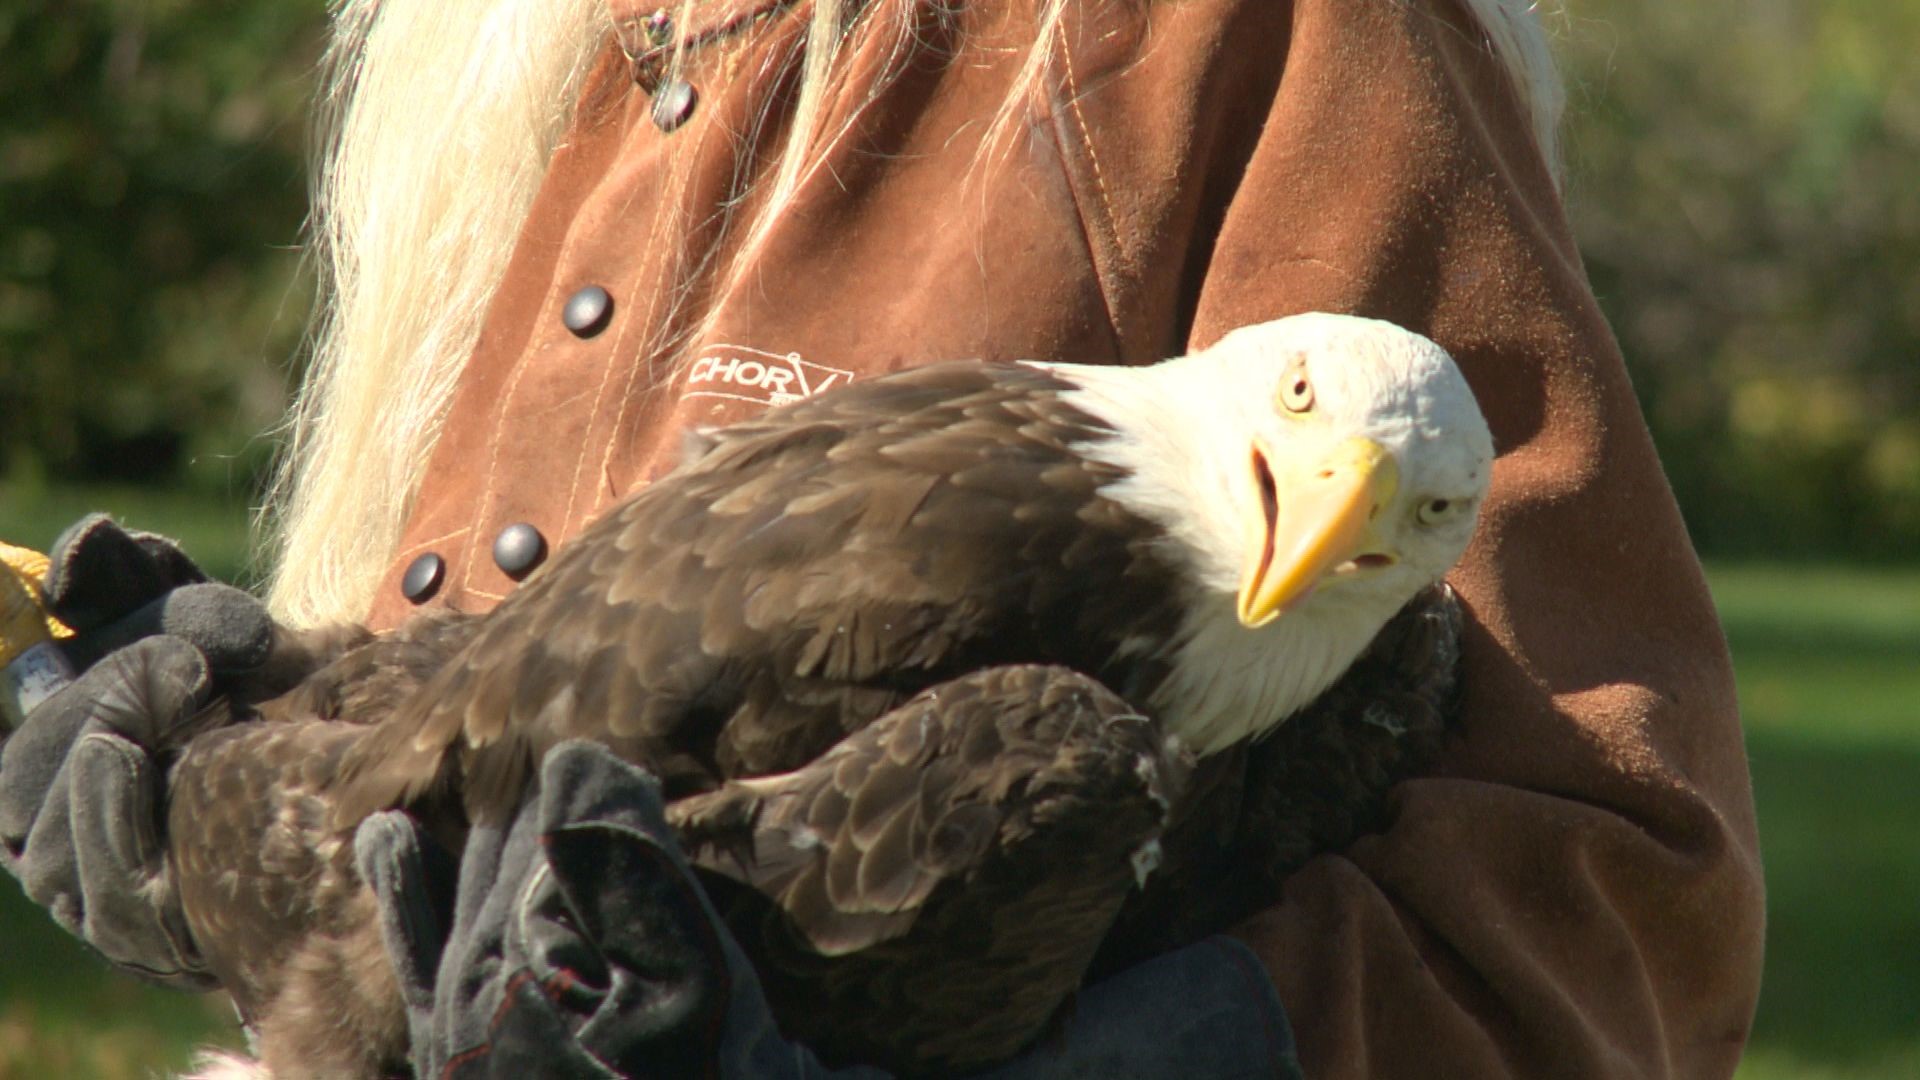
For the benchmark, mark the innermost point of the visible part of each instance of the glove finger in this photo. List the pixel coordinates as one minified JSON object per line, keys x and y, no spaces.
{"x":230,"y":628}
{"x":637,"y":904}
{"x":172,"y":562}
{"x":409,"y":873}
{"x":617,"y":869}
{"x":144,"y":692}
{"x":131,"y":912}
{"x":43,"y":860}
{"x":99,"y":572}
{"x":621,"y":916}
{"x":150,"y":690}
{"x":31,"y":758}
{"x":583,"y":782}
{"x":476,"y":966}
{"x":526,"y":1039}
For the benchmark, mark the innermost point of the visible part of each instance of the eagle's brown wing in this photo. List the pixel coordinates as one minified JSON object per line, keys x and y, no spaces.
{"x":927,"y":894}
{"x":805,"y":574}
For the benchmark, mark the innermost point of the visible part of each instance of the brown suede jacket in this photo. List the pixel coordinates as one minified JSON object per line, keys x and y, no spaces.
{"x":1577,"y":891}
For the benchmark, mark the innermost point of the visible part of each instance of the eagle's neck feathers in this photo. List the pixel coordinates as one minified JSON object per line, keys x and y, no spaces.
{"x":1149,"y":415}
{"x":1227,"y":683}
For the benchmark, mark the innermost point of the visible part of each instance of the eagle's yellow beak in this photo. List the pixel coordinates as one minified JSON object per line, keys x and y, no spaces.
{"x":1317,"y":523}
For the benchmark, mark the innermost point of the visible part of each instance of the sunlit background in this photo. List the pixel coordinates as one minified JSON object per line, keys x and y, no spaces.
{"x":1745,"y":180}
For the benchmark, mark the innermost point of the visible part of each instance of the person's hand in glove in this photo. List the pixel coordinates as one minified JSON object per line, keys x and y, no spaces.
{"x":582,"y":946}
{"x":81,"y":797}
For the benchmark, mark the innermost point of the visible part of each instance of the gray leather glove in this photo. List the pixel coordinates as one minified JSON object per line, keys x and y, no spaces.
{"x":582,"y":946}
{"x":81,"y":793}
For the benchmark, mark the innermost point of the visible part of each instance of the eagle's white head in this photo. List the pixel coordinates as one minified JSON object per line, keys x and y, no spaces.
{"x":1312,"y":474}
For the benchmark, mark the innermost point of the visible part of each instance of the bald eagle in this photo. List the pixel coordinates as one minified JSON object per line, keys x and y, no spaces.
{"x":934,"y":668}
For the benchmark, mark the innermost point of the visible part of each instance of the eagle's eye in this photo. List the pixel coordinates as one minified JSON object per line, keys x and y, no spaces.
{"x":1435,"y":511}
{"x":1296,"y":390}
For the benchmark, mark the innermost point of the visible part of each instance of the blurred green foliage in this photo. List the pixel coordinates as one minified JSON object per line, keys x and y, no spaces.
{"x":1742,"y":178}
{"x":152,"y":185}
{"x":1745,"y":184}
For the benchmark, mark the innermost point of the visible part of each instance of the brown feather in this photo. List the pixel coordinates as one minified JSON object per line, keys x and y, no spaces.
{"x":837,"y":566}
{"x":1016,"y":795}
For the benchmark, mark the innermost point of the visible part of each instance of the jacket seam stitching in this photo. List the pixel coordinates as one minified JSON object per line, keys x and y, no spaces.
{"x":646,"y":360}
{"x":614,"y":351}
{"x":1089,"y":229}
{"x":488,"y":495}
{"x":421,"y":545}
{"x":1086,"y":137}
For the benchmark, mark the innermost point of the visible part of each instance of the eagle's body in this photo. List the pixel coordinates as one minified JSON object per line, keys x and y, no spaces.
{"x":803,"y":575}
{"x":1025,"y":540}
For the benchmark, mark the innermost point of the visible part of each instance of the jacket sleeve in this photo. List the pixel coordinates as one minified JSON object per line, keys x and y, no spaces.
{"x":1576,"y":892}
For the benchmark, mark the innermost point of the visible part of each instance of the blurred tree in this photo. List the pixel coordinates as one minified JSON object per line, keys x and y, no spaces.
{"x":151,"y":191}
{"x":1746,"y":188}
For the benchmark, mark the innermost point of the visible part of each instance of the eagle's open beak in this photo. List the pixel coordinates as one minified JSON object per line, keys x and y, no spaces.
{"x":1318,"y":522}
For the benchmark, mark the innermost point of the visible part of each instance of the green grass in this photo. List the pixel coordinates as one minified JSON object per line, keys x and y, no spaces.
{"x":64,"y":1013}
{"x":1828,"y":661}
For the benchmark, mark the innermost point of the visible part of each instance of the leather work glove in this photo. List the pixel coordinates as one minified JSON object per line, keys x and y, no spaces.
{"x":582,"y":946}
{"x":81,"y":794}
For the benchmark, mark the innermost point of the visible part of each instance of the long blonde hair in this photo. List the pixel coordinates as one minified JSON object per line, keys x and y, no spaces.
{"x":436,"y":123}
